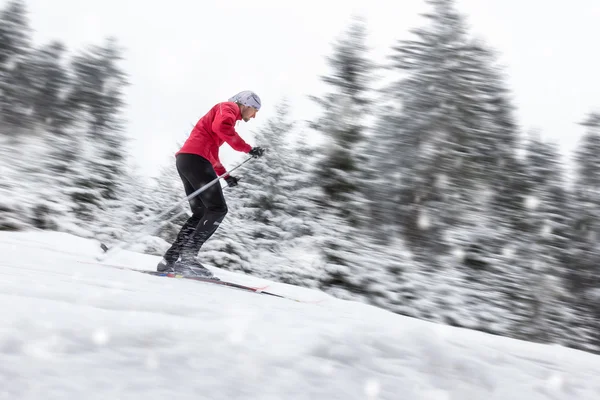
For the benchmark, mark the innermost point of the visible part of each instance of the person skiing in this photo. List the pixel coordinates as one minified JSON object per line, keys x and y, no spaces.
{"x":198,"y":163}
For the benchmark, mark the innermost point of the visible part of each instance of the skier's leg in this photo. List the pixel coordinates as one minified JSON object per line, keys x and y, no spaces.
{"x":198,"y":209}
{"x":199,"y":171}
{"x":172,"y":254}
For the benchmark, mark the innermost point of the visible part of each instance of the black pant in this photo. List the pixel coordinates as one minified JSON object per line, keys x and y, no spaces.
{"x":208,"y":208}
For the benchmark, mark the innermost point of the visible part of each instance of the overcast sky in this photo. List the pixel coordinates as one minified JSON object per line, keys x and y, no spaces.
{"x":182,"y":56}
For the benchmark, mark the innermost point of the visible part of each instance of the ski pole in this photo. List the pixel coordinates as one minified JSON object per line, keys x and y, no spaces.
{"x":142,"y":232}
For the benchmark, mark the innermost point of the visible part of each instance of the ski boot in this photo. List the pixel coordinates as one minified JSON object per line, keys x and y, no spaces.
{"x":165,"y":266}
{"x":192,"y":268}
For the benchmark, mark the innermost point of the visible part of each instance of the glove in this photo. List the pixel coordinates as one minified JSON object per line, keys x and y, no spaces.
{"x":256,"y":152}
{"x":231,"y":181}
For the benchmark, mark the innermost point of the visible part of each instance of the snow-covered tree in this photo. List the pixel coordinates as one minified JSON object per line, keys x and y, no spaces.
{"x":451,"y":128}
{"x":15,"y":44}
{"x":585,"y":258}
{"x":49,"y":83}
{"x":97,"y":98}
{"x":587,"y":191}
{"x":542,"y":247}
{"x":446,"y":138}
{"x":344,"y":109}
{"x":61,"y":135}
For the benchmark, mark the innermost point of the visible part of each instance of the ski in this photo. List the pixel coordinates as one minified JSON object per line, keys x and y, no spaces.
{"x":218,"y":282}
{"x":253,"y":289}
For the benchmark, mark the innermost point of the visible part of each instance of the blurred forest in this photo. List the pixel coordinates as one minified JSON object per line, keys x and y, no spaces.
{"x":424,"y":198}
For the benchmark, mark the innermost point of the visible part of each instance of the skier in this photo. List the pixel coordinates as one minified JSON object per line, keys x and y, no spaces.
{"x":198,"y":163}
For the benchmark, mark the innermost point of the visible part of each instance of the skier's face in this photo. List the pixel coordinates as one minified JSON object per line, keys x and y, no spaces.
{"x":248,"y":113}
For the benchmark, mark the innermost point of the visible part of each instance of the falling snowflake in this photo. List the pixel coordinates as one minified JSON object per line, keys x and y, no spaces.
{"x":372,"y":389}
{"x":508,"y":251}
{"x":546,"y":230}
{"x":100,"y":337}
{"x":424,"y":222}
{"x":459,"y":254}
{"x":532,"y":202}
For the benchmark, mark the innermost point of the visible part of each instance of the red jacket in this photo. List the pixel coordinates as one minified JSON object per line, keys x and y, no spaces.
{"x":214,"y":129}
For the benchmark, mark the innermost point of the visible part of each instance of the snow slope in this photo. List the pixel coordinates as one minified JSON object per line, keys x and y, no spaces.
{"x":73,"y":329}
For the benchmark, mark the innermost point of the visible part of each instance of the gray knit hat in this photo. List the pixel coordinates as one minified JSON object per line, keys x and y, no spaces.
{"x":247,"y":98}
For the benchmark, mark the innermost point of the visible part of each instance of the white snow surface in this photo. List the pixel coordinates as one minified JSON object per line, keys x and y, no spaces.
{"x":72,"y":328}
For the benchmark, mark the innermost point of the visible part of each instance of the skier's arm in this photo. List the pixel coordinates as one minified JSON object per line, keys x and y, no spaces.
{"x":219,"y":168}
{"x":224,"y":126}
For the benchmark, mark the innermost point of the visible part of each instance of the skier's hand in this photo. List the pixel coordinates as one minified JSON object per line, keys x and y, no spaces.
{"x":231,"y":181}
{"x":256,"y":152}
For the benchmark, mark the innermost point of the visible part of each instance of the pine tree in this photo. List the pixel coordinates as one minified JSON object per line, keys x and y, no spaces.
{"x":15,"y":45}
{"x":584,"y":276}
{"x":587,"y":190}
{"x":588,"y":163}
{"x":97,"y":98}
{"x":461,"y":189}
{"x":390,"y":160}
{"x":67,"y":122}
{"x":49,"y":85}
{"x":29,"y":191}
{"x":50,"y":82}
{"x":454,"y":132}
{"x":343,"y":124}
{"x":545,"y":242}
{"x":340,"y":170}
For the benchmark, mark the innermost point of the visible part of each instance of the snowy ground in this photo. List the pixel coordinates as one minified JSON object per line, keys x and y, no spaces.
{"x":73,"y":329}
